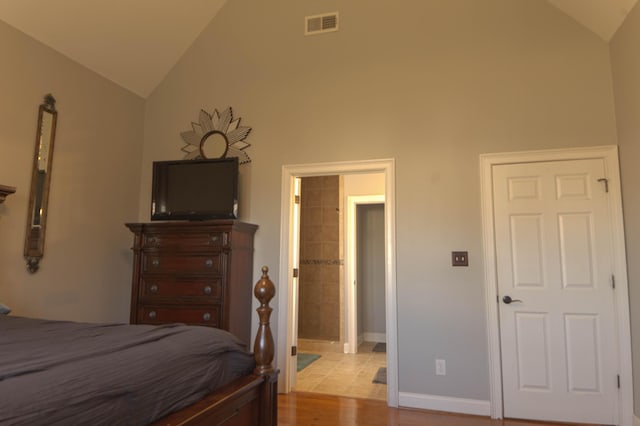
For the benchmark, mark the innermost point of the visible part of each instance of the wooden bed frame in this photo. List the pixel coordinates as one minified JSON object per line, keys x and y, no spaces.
{"x":249,"y":400}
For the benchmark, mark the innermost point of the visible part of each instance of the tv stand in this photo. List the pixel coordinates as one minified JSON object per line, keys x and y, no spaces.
{"x":193,"y":272}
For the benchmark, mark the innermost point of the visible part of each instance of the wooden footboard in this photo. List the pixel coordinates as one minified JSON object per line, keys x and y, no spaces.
{"x":249,"y":400}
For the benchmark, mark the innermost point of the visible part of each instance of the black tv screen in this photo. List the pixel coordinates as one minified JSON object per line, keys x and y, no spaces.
{"x":195,"y":189}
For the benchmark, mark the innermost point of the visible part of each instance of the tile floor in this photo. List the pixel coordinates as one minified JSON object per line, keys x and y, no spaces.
{"x":345,"y":374}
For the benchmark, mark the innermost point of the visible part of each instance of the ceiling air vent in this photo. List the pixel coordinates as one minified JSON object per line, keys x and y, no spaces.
{"x":319,"y":24}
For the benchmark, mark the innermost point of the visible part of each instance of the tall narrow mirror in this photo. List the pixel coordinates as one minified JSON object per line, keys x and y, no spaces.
{"x":40,"y":179}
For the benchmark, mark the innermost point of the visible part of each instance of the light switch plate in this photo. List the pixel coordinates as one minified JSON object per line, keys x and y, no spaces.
{"x":459,"y":258}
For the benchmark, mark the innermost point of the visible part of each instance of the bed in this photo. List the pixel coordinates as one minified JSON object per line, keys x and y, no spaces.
{"x":60,"y":372}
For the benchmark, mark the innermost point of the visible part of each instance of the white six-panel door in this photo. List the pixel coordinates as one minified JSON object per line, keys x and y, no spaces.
{"x":553,"y":259}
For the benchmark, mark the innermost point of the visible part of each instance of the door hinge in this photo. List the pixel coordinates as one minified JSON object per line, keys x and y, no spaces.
{"x":606,"y":183}
{"x":296,"y":272}
{"x":618,"y":381}
{"x":294,"y":350}
{"x":613,"y":282}
{"x":296,"y":199}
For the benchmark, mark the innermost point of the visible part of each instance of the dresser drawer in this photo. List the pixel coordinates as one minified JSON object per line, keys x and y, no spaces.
{"x":184,"y":241}
{"x":163,"y":314}
{"x":193,"y":264}
{"x":196,"y":288}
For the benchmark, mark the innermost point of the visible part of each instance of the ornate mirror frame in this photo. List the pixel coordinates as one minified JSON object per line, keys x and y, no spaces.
{"x":40,"y":181}
{"x":216,"y":135}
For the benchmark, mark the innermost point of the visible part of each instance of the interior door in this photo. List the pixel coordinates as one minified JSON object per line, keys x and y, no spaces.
{"x":554,"y":270}
{"x":295,"y":261}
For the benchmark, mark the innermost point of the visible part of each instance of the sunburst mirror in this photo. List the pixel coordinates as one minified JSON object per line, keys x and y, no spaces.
{"x":216,"y":135}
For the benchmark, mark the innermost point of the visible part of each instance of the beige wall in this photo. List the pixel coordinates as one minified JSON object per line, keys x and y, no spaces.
{"x":431,"y":84}
{"x":85,"y":274}
{"x":362,"y":184}
{"x":625,"y":64}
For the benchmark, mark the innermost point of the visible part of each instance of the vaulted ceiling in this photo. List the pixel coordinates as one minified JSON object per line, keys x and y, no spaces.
{"x":135,"y":43}
{"x":603,"y":17}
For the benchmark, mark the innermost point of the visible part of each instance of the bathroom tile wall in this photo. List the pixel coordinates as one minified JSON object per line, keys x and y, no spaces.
{"x":319,"y":314}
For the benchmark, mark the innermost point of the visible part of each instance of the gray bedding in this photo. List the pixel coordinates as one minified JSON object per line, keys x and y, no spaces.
{"x":66,"y":373}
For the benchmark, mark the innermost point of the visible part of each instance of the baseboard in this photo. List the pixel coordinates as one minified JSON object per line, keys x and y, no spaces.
{"x":444,"y":403}
{"x":476,"y":407}
{"x":375,"y":337}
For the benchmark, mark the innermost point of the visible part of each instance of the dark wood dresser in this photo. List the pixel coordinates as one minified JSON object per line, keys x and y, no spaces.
{"x":195,"y":273}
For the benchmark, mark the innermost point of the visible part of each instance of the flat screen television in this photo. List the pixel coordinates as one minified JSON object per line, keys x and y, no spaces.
{"x":195,"y":189}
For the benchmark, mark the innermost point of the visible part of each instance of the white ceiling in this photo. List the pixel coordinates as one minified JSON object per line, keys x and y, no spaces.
{"x":135,"y":43}
{"x":603,"y":17}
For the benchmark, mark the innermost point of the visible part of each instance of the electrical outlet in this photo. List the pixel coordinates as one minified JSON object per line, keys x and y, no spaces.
{"x":441,"y":367}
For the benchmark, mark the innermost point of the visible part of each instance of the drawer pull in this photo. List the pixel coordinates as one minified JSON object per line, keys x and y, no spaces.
{"x":152,"y":314}
{"x":155,"y":263}
{"x":214,"y":238}
{"x":206,"y":316}
{"x":152,"y":240}
{"x":208,"y":263}
{"x":153,"y":289}
{"x":208,"y":289}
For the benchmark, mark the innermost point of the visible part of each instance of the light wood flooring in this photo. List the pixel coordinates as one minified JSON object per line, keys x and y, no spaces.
{"x":313,"y":409}
{"x":345,"y":374}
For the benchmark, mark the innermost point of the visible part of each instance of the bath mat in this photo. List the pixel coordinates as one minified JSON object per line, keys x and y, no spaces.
{"x":381,"y":376}
{"x":380,"y":347}
{"x":305,"y":359}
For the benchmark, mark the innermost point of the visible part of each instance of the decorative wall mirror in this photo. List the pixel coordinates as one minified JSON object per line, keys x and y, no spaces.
{"x":40,"y":179}
{"x":216,"y":135}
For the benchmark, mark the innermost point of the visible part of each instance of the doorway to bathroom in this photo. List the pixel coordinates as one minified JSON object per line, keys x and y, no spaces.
{"x":334,"y":334}
{"x":341,"y":340}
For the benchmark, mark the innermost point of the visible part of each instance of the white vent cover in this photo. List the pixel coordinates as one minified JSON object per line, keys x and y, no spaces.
{"x":318,"y":24}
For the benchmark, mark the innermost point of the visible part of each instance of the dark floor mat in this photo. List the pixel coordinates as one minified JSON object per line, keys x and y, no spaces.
{"x":381,"y":376}
{"x":305,"y":359}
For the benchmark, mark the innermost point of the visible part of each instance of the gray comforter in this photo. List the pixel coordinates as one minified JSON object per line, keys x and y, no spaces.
{"x":55,"y":372}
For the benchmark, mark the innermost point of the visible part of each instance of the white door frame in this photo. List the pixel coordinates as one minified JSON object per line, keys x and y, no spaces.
{"x":610,"y":156}
{"x":353,"y":201}
{"x":285,"y":303}
{"x":294,"y":288}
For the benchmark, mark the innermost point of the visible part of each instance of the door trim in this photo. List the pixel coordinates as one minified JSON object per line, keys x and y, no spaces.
{"x":610,"y":156}
{"x":353,"y":201}
{"x":285,"y":311}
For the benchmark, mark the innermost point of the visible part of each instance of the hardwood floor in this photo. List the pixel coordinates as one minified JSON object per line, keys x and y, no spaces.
{"x":310,"y":409}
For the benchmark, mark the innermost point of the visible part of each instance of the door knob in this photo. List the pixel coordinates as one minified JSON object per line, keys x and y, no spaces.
{"x":508,"y":299}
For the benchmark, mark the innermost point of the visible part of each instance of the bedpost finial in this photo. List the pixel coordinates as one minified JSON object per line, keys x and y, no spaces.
{"x":265,"y":289}
{"x":263,"y":347}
